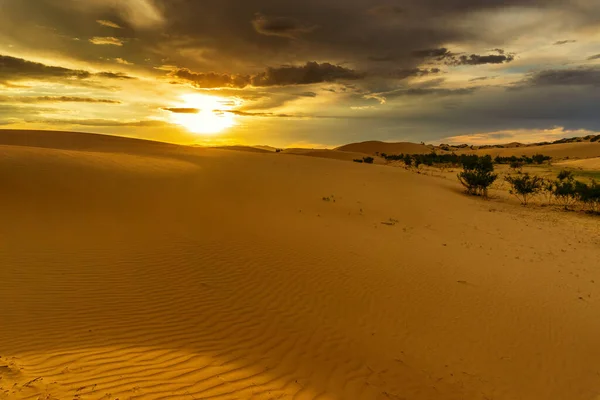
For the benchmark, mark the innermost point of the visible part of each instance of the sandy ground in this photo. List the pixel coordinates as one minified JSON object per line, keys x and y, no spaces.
{"x":588,"y":164}
{"x":148,"y":271}
{"x":372,"y":147}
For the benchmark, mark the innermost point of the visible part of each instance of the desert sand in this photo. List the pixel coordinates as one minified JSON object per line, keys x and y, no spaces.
{"x":140,"y":270}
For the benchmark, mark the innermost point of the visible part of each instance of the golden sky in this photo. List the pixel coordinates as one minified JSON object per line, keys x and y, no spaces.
{"x":314,"y":73}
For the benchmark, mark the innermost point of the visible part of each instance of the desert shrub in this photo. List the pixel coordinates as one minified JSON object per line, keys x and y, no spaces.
{"x":368,"y":160}
{"x":564,"y":189}
{"x":516,"y":165}
{"x":589,"y":195}
{"x":595,"y":139}
{"x":417,"y":161}
{"x":408,"y":160}
{"x":548,"y":190}
{"x":524,"y":186}
{"x":477,"y":175}
{"x":540,"y":158}
{"x":356,"y":160}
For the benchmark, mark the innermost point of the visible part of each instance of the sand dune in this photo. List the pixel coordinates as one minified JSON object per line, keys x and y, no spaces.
{"x":556,"y":151}
{"x":191,"y":273}
{"x":588,"y":163}
{"x":333,"y":154}
{"x":373,"y":147}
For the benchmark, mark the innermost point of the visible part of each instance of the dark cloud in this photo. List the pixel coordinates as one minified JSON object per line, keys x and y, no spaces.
{"x":258,"y":114}
{"x":114,"y":75}
{"x":439,"y":54}
{"x":433,"y":92}
{"x":17,"y":69}
{"x":55,"y":99}
{"x":280,"y":26}
{"x":307,"y":94}
{"x":475,"y":59}
{"x":310,"y":73}
{"x":211,"y":80}
{"x":415,"y":72}
{"x":181,"y":110}
{"x":561,"y":42}
{"x":595,"y":57}
{"x":584,"y":76}
{"x":449,"y":58}
{"x":481,"y":78}
{"x":386,"y":10}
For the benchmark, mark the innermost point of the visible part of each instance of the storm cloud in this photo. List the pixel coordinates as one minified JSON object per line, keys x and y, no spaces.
{"x":289,"y":75}
{"x":17,"y":69}
{"x":266,"y":53}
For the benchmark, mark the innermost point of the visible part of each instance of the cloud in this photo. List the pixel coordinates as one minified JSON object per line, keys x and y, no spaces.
{"x":259,"y":114}
{"x":280,"y":26}
{"x":106,"y":41}
{"x":595,"y":57}
{"x":142,"y":14}
{"x":122,"y":61}
{"x":180,"y":110}
{"x":109,"y":24}
{"x":102,"y":122}
{"x":310,"y":73}
{"x":385,"y":10}
{"x":415,"y":72}
{"x":421,"y":91}
{"x":114,"y":75}
{"x":475,"y":59}
{"x":561,"y":42}
{"x":55,"y":99}
{"x":449,"y":58}
{"x":439,"y":53}
{"x":482,"y":78}
{"x":583,"y":76}
{"x":17,"y":69}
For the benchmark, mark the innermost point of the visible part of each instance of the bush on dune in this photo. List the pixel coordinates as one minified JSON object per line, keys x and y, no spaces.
{"x":478,"y":175}
{"x":589,"y":195}
{"x":524,"y":186}
{"x":564,"y":189}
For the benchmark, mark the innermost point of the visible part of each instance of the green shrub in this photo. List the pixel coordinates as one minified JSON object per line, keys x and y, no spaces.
{"x":368,"y":160}
{"x":516,"y":165}
{"x":564,"y":189}
{"x":524,"y":186}
{"x":477,"y":175}
{"x":589,"y":195}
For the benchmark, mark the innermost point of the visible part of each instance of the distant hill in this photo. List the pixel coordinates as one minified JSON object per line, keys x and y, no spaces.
{"x":373,"y":147}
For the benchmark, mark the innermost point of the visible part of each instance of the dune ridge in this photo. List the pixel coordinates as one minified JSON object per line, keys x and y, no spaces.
{"x":192,"y":273}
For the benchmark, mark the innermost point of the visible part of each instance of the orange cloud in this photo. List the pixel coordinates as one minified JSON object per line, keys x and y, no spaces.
{"x":110,"y":41}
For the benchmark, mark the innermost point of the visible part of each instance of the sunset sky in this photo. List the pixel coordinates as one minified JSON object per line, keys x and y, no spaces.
{"x":309,"y":73}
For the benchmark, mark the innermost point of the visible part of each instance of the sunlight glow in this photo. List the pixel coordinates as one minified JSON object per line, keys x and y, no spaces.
{"x":213,"y":114}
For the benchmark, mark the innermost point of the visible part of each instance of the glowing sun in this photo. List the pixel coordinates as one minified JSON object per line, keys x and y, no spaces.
{"x":205,"y":114}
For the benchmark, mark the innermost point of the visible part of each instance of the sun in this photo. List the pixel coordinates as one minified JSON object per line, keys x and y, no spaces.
{"x":205,"y":114}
